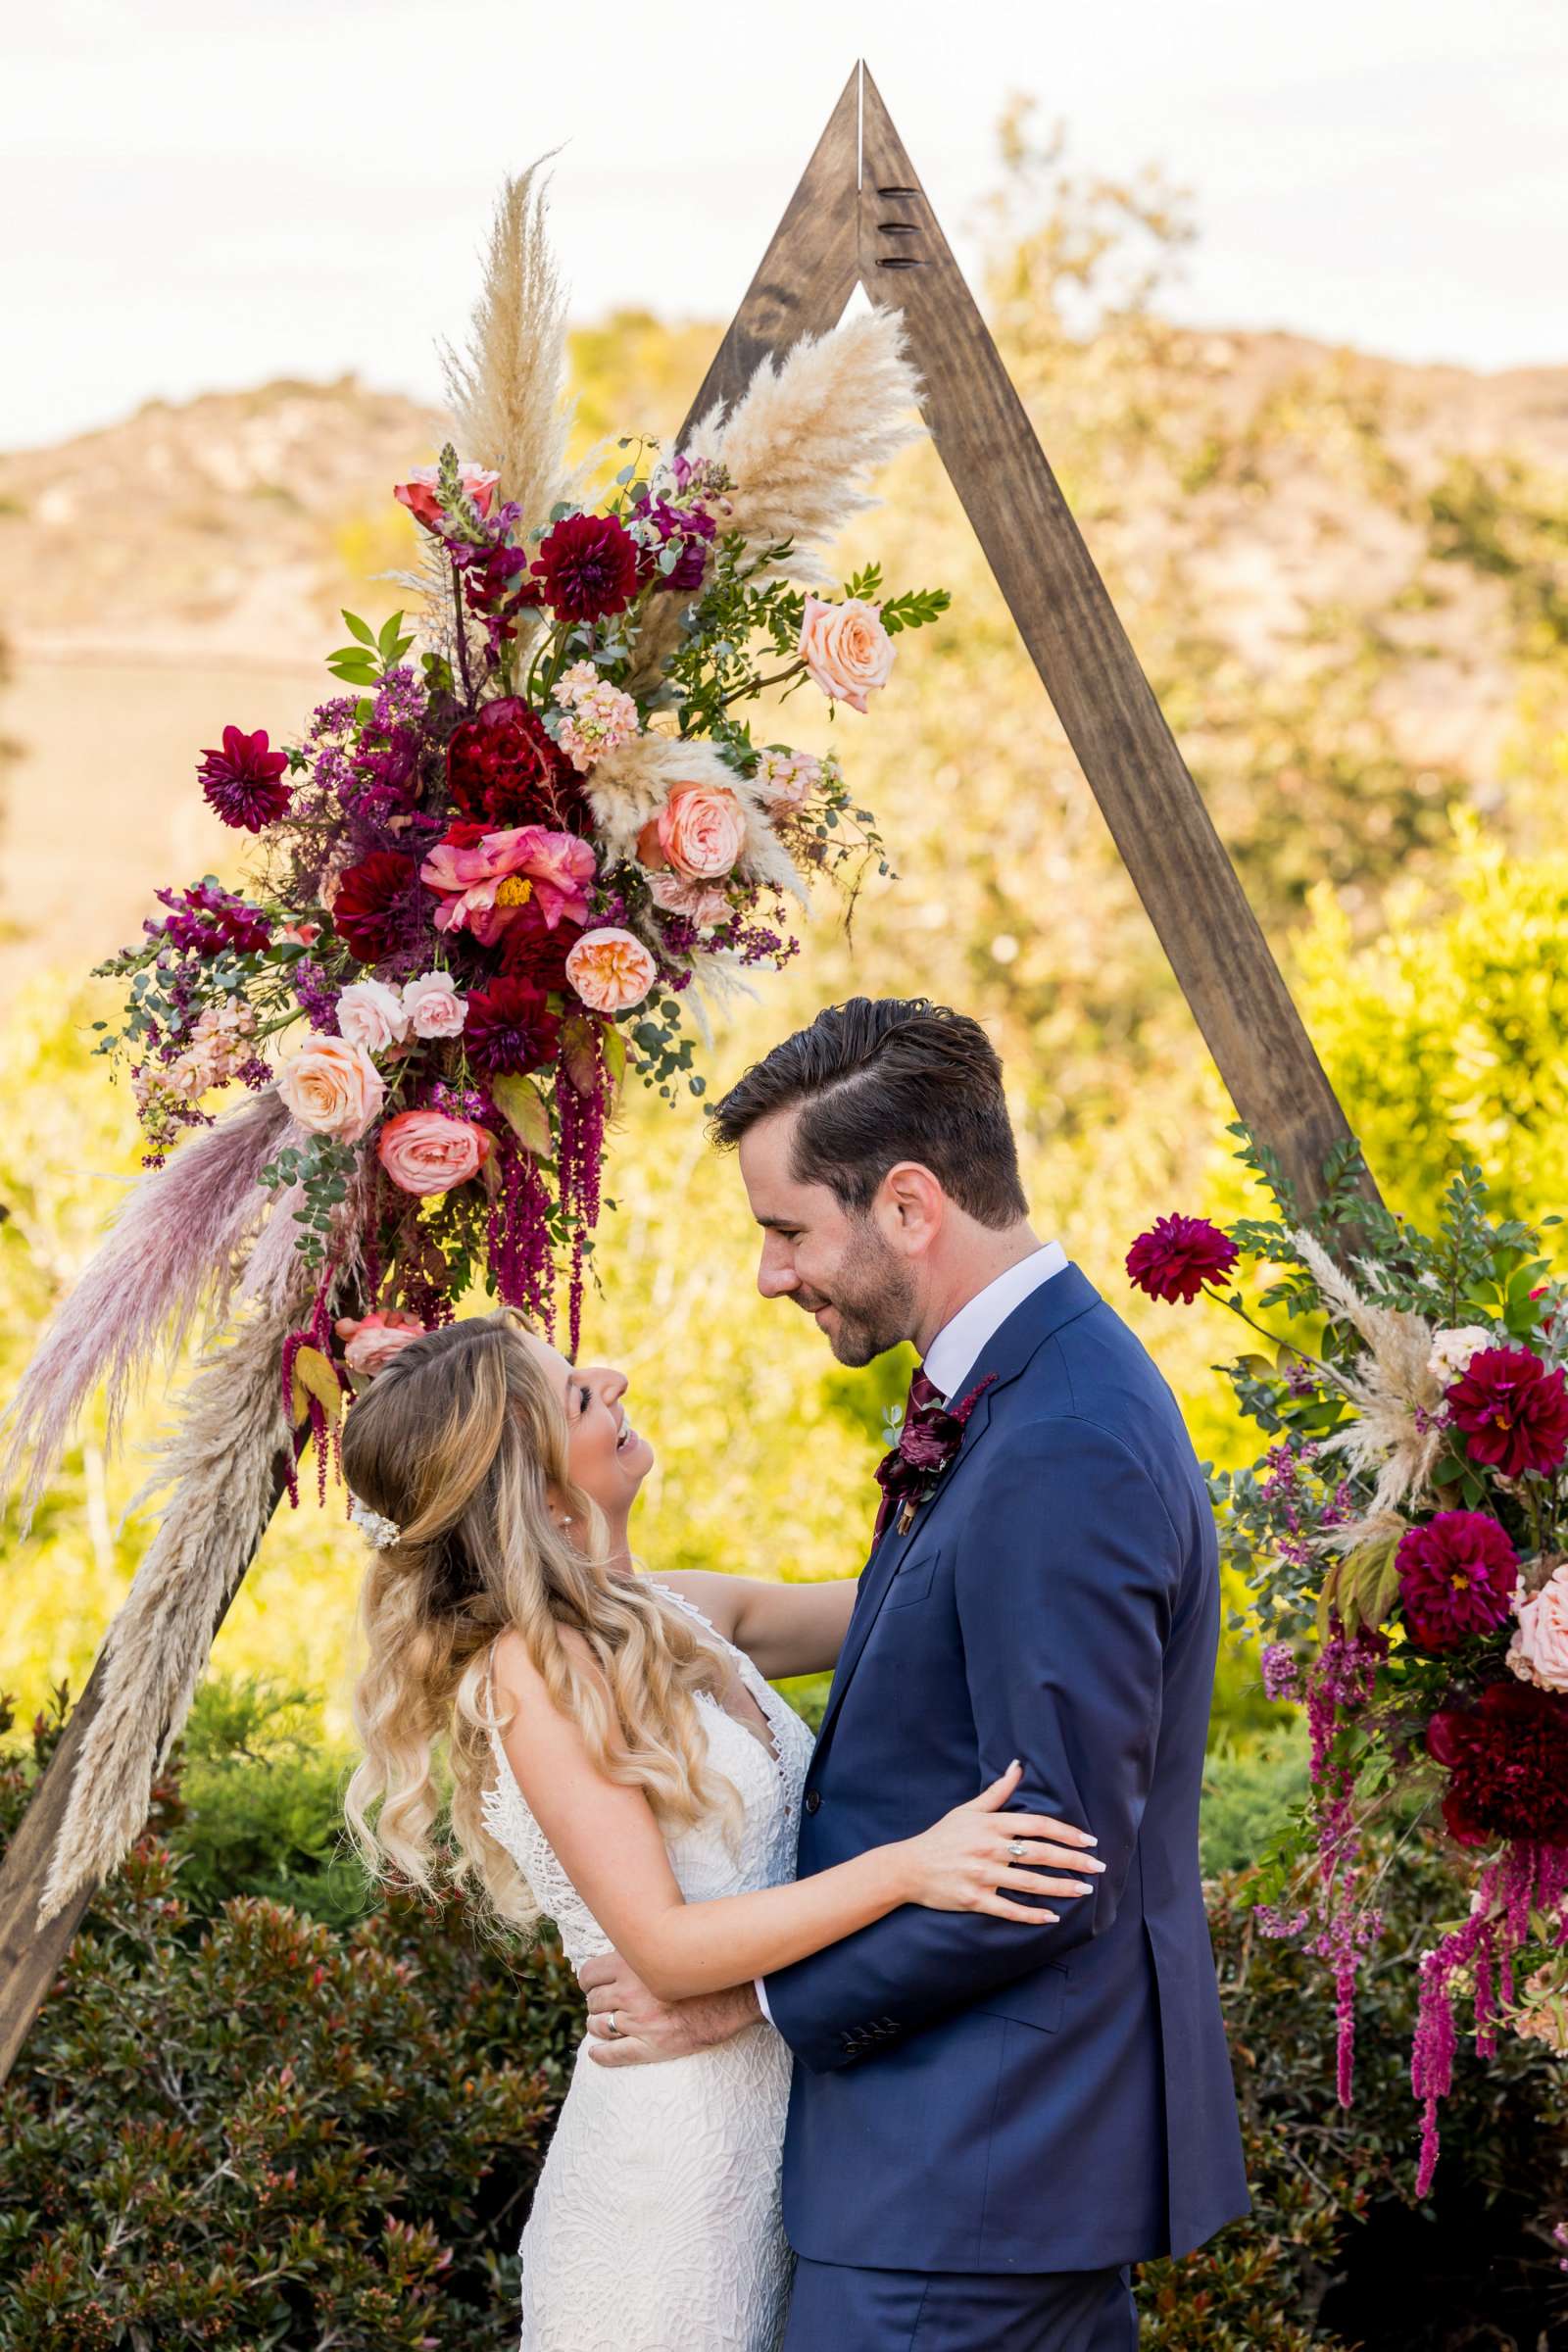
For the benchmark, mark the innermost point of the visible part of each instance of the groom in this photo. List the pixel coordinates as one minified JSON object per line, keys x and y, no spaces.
{"x":989,"y":2122}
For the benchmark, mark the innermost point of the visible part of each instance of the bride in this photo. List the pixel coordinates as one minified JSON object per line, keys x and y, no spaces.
{"x":621,"y":1765}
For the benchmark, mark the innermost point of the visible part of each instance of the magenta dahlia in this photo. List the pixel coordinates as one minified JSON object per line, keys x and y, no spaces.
{"x":1506,"y":1758}
{"x":1178,"y":1255}
{"x":242,"y":781}
{"x":1513,"y":1412}
{"x":1456,"y":1578}
{"x":374,"y":905}
{"x":504,"y":770}
{"x":588,"y":564}
{"x":510,"y":1027}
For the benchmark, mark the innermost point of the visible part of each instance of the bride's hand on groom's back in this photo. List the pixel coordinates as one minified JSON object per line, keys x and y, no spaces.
{"x":978,"y":1856}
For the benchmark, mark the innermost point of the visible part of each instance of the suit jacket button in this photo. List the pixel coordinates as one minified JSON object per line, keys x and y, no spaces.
{"x":814,"y":1798}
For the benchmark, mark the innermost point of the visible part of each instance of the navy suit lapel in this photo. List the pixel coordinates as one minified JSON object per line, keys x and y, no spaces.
{"x":1008,"y":1353}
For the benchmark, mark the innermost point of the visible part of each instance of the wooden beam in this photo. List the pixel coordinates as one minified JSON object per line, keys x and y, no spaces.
{"x":30,"y":1954}
{"x":808,"y":272}
{"x":1090,"y":672}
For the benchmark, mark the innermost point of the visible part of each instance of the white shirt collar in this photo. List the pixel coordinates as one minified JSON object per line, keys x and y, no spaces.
{"x":961,"y":1341}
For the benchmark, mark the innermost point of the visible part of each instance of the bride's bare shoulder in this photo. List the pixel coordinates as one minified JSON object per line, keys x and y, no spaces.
{"x":718,"y":1596}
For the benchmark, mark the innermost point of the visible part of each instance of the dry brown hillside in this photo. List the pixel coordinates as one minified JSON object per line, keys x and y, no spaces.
{"x":183,"y":567}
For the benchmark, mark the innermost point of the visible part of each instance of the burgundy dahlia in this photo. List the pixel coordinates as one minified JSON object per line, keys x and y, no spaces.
{"x":510,"y":1027}
{"x":588,"y":564}
{"x":504,"y":770}
{"x":242,"y":780}
{"x":1507,"y":1764}
{"x":537,"y":956}
{"x":1178,"y":1255}
{"x":1456,"y":1578}
{"x":1513,"y":1412}
{"x":375,"y":904}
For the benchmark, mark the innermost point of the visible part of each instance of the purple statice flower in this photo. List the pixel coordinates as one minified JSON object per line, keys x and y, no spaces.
{"x":1278,"y":1662}
{"x":400,"y":699}
{"x":317,"y":996}
{"x":333,"y":717}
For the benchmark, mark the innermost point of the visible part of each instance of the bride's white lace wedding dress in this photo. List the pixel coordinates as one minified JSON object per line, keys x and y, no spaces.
{"x":656,"y":2225}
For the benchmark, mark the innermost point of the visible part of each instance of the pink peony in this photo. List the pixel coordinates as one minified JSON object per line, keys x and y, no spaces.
{"x":371,"y":1014}
{"x":418,"y":492}
{"x":484,"y":885}
{"x":846,"y":650}
{"x":1538,"y":1650}
{"x":333,"y":1087}
{"x":426,"y":1151}
{"x":434,"y":1007}
{"x":1456,"y":1578}
{"x":370,"y":1342}
{"x":610,"y":970}
{"x":700,"y":832}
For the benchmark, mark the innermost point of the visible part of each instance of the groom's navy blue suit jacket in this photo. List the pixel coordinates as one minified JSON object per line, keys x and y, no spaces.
{"x":971,"y":2093}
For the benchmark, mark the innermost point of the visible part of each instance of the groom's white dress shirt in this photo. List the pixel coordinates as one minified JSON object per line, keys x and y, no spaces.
{"x":960,"y":1342}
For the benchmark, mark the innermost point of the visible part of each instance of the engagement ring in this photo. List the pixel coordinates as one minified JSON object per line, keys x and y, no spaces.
{"x":1015,"y":1849}
{"x":610,"y":2027}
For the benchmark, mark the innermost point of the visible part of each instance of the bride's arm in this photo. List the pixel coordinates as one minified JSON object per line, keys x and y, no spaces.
{"x":609,"y":1844}
{"x":783,"y":1629}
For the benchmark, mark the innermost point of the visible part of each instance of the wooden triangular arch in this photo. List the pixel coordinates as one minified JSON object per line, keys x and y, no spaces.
{"x":860,"y":215}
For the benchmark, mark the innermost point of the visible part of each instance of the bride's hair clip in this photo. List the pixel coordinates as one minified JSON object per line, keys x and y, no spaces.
{"x":377,"y":1530}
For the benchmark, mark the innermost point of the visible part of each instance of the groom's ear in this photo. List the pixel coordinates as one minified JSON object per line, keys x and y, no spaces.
{"x":911,"y":1206}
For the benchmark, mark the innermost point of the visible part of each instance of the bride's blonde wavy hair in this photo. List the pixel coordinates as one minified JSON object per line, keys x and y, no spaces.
{"x":460,"y":1440}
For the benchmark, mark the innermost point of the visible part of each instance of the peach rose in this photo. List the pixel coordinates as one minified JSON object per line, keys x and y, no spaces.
{"x":700,"y":831}
{"x":373,"y":1340}
{"x":1538,"y":1650}
{"x":699,"y":901}
{"x":371,"y":1014}
{"x":845,"y":649}
{"x":426,"y":1151}
{"x":433,"y":1006}
{"x":610,"y":970}
{"x":333,"y":1087}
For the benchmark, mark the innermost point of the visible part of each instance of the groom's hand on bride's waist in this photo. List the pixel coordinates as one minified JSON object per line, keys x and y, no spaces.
{"x":628,"y":2026}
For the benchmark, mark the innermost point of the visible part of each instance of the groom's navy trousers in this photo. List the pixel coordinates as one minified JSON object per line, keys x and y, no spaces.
{"x":973,"y":2096}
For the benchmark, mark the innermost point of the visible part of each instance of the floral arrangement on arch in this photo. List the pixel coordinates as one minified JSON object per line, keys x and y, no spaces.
{"x":1405,"y":1537}
{"x":506,"y":864}
{"x":534,"y":833}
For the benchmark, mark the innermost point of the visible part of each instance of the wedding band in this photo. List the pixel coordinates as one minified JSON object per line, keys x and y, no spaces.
{"x":1015,"y":1849}
{"x":610,"y":2027}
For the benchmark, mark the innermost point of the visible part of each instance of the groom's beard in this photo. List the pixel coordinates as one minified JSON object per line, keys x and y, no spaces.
{"x":873,"y":1299}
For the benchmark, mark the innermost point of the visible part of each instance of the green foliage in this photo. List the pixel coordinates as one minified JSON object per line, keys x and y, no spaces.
{"x":1250,"y":1796}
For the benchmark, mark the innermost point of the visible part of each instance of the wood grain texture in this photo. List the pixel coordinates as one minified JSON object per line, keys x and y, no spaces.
{"x":1090,"y":672}
{"x":808,"y":272}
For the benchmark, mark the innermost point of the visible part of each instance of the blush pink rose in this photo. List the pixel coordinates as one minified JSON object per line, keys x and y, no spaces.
{"x":485,"y":889}
{"x":845,"y":649}
{"x":333,"y":1087}
{"x":610,"y":970}
{"x":788,"y":779}
{"x":700,"y":831}
{"x":371,"y":1014}
{"x":1538,"y":1650}
{"x":699,"y":901}
{"x":418,"y":492}
{"x":372,"y":1342}
{"x":426,"y":1151}
{"x":434,"y":1007}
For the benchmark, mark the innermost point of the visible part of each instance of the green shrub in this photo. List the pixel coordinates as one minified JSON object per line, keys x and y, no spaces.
{"x":1249,"y":1795}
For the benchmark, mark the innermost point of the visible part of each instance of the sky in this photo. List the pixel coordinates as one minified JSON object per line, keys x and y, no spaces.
{"x":203,"y":198}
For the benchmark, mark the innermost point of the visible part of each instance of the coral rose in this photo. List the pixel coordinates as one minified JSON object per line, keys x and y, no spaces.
{"x":426,"y":1151}
{"x":700,"y":831}
{"x":610,"y":970}
{"x":372,"y":1342}
{"x":332,"y":1087}
{"x":371,"y":1014}
{"x":1538,"y":1650}
{"x":846,"y":650}
{"x":433,"y":1006}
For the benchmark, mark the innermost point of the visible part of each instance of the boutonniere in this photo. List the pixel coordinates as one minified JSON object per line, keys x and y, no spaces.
{"x":927,"y":1443}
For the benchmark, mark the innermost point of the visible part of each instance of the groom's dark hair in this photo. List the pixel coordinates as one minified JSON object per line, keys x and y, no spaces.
{"x":883,"y":1079}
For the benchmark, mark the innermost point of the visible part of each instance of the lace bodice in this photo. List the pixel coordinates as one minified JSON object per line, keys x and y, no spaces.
{"x":708,"y":1859}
